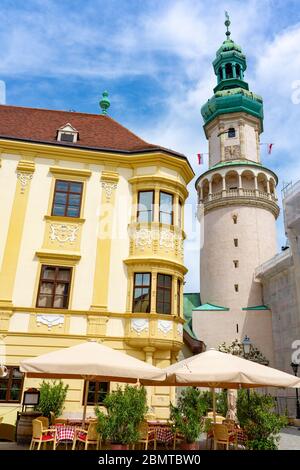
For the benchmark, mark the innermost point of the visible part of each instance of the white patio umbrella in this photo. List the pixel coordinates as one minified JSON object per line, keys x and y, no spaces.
{"x":90,"y":361}
{"x":215,"y":369}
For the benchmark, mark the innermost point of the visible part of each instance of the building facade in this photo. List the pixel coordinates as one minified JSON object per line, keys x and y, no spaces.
{"x":237,"y":211}
{"x":91,"y":245}
{"x":280,"y":278}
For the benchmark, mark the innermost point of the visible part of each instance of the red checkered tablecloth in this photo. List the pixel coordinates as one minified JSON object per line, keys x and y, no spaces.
{"x":64,"y":433}
{"x":163,"y":433}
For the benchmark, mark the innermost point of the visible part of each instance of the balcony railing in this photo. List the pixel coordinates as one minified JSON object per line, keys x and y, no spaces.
{"x":226,"y":193}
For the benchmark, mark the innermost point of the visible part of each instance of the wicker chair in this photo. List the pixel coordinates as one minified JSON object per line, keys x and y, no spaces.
{"x":147,"y":435}
{"x":223,"y":436}
{"x":45,"y":421}
{"x":41,"y":436}
{"x":88,"y":437}
{"x":178,"y":439}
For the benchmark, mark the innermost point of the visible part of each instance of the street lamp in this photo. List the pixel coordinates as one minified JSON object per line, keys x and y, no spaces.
{"x":246,"y":343}
{"x":295,"y":366}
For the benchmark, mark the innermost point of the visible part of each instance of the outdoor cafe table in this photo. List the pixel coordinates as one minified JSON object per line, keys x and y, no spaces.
{"x":164,"y":432}
{"x":65,"y":432}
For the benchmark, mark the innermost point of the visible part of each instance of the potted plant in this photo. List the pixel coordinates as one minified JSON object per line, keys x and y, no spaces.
{"x":52,"y":397}
{"x":257,"y":417}
{"x":187,"y":417}
{"x":126,"y":409}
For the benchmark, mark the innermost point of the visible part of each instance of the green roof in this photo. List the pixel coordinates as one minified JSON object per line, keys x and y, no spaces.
{"x":236,"y":162}
{"x":188,"y":328}
{"x":233,"y":101}
{"x":211,"y":307}
{"x":257,"y":307}
{"x":190,"y":301}
{"x":229,"y":45}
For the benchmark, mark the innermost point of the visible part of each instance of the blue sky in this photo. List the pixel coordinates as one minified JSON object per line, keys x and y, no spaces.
{"x":154,"y":57}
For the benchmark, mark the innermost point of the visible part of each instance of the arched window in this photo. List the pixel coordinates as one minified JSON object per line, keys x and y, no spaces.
{"x":228,"y":71}
{"x":231,"y":132}
{"x":238,"y":70}
{"x":220,"y":74}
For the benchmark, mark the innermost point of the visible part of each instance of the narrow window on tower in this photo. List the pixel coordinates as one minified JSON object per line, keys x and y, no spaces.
{"x":235,"y":263}
{"x":234,"y":218}
{"x":236,"y":287}
{"x":231,"y":132}
{"x":235,"y":242}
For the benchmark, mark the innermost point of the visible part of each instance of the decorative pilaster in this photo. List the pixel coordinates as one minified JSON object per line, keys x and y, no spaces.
{"x":24,"y":174}
{"x":242,"y":139}
{"x":109,"y":181}
{"x":97,"y":325}
{"x":222,"y":136}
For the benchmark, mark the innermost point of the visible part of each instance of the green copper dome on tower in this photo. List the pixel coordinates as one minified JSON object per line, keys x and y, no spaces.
{"x":231,"y":93}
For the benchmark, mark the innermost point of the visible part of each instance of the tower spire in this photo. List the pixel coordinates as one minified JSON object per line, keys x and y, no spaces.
{"x":227,"y":24}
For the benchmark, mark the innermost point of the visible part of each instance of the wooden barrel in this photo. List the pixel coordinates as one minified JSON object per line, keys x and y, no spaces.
{"x":24,"y":426}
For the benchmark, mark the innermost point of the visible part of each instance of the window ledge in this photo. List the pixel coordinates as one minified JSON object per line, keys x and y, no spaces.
{"x":61,"y":218}
{"x":62,"y":171}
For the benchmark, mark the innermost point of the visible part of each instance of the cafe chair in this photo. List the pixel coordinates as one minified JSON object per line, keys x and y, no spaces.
{"x":223,"y":436}
{"x":45,"y":421}
{"x":147,"y":436}
{"x":88,"y":437}
{"x":178,"y":439}
{"x":41,"y":436}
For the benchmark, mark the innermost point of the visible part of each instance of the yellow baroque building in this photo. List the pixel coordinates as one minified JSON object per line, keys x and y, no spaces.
{"x":91,"y":245}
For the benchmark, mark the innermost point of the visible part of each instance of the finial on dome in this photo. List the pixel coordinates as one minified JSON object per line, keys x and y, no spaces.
{"x":104,"y":102}
{"x":227,"y":24}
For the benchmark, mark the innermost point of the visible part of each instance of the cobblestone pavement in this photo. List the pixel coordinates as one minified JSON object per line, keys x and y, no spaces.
{"x":290,"y":439}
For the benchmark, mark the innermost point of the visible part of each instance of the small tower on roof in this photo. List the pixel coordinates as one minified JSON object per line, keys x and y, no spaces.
{"x":104,"y":102}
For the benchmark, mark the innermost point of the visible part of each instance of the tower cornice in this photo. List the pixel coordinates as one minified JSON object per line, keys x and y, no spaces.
{"x":252,"y":201}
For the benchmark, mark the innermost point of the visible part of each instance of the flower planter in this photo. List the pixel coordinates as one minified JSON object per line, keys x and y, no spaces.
{"x":189,"y":446}
{"x":119,"y":446}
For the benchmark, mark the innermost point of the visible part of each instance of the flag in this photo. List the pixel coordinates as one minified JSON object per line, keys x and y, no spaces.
{"x":270,"y":148}
{"x":200,"y":160}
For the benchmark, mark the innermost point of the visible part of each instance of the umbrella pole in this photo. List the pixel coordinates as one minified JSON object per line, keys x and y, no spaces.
{"x":85,"y":401}
{"x":214,"y":403}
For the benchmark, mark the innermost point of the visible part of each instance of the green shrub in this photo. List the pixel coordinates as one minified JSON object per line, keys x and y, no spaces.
{"x":126,"y":410}
{"x":221,"y":401}
{"x":188,"y":413}
{"x":52,"y":397}
{"x":256,"y":415}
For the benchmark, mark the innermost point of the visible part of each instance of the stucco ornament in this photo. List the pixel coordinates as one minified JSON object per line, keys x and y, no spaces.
{"x":50,"y":320}
{"x":139,"y":325}
{"x":165,"y":326}
{"x":24,"y":179}
{"x":179,"y":329}
{"x":63,"y":233}
{"x":143,"y":237}
{"x":166,"y":239}
{"x":108,"y":188}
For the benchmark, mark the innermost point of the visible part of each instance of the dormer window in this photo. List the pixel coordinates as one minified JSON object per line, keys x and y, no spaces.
{"x":67,"y":133}
{"x":231,"y":132}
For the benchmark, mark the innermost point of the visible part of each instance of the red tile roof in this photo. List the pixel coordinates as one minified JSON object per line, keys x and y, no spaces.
{"x":95,"y":131}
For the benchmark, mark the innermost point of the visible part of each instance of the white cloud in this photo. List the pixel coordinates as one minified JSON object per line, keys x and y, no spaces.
{"x":174,"y":43}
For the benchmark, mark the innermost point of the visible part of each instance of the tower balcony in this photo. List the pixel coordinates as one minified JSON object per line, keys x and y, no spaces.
{"x":238,"y":184}
{"x":238,"y":193}
{"x":240,"y":196}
